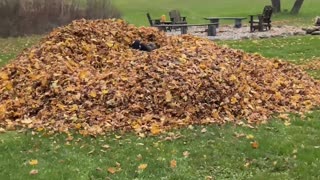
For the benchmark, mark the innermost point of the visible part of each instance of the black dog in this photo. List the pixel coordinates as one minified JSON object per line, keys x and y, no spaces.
{"x":142,"y":46}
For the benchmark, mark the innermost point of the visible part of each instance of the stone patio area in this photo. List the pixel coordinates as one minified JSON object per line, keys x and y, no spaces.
{"x":228,"y":32}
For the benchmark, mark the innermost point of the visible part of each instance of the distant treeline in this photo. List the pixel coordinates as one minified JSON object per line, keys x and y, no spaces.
{"x":25,"y":17}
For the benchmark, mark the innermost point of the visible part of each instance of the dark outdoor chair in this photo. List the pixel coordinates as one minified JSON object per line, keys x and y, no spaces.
{"x":176,"y":18}
{"x":153,"y":22}
{"x":264,"y":20}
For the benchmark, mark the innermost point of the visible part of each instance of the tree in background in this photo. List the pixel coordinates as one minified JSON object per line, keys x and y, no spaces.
{"x":276,"y":4}
{"x":297,"y":6}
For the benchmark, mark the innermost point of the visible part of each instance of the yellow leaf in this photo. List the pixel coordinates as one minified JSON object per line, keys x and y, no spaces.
{"x":278,"y":96}
{"x":233,"y":78}
{"x":168,"y":96}
{"x":105,"y":91}
{"x":173,"y":163}
{"x":137,"y":127}
{"x":110,"y":44}
{"x":250,"y":136}
{"x":142,"y":167}
{"x":287,"y":123}
{"x":33,"y":162}
{"x":4,"y":76}
{"x":83,"y":75}
{"x":93,"y":94}
{"x":9,"y":86}
{"x":74,"y":107}
{"x":202,"y":66}
{"x":234,"y":100}
{"x":284,"y":116}
{"x":70,"y":89}
{"x":155,"y":129}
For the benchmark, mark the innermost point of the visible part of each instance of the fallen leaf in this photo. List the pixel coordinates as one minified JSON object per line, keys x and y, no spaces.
{"x":33,"y":172}
{"x":112,"y":170}
{"x":204,"y":130}
{"x":186,"y":154}
{"x":155,"y":129}
{"x":173,"y":164}
{"x":250,"y":136}
{"x":142,"y":167}
{"x":255,"y":145}
{"x":106,"y":146}
{"x":33,"y":162}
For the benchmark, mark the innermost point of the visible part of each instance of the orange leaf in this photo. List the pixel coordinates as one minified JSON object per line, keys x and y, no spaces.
{"x":255,"y":145}
{"x":173,"y":163}
{"x":112,"y":170}
{"x":142,"y":167}
{"x":155,"y":129}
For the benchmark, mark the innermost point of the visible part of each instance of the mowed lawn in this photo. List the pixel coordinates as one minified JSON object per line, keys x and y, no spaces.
{"x":195,"y":10}
{"x":283,"y":150}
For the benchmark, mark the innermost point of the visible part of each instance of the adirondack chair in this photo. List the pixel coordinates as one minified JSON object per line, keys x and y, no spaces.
{"x":153,"y":22}
{"x":264,"y":20}
{"x":176,"y":18}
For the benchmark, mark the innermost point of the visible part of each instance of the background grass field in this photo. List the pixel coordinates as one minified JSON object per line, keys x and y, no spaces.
{"x":195,"y":10}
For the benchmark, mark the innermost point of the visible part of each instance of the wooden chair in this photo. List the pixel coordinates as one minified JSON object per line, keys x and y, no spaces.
{"x":176,"y":18}
{"x":264,"y":20}
{"x":153,"y":22}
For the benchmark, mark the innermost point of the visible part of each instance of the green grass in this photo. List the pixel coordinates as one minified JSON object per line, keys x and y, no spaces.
{"x":285,"y":151}
{"x":10,"y":47}
{"x":135,"y":12}
{"x":298,"y":50}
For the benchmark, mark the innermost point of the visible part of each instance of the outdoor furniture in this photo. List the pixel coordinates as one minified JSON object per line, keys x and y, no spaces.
{"x":152,"y":22}
{"x":264,"y":20}
{"x":176,"y":18}
{"x":237,"y":20}
{"x":211,"y":27}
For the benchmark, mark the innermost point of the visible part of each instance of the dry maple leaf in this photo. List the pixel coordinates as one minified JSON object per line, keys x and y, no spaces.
{"x":255,"y":145}
{"x":142,"y":167}
{"x":33,"y":162}
{"x":173,"y":164}
{"x":186,"y":154}
{"x":112,"y":170}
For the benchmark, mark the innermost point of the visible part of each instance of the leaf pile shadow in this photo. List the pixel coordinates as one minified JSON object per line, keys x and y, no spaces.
{"x":85,"y":77}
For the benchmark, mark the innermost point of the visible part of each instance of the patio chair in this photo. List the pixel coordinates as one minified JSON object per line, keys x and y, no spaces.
{"x":153,"y":22}
{"x":264,"y":20}
{"x":176,"y":18}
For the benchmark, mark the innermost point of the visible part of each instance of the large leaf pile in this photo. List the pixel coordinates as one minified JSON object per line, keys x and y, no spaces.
{"x":86,"y":77}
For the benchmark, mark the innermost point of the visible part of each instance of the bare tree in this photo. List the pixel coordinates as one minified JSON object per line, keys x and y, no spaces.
{"x":297,"y":6}
{"x":276,"y":4}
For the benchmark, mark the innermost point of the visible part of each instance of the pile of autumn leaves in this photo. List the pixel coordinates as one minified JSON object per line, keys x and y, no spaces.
{"x":85,"y":77}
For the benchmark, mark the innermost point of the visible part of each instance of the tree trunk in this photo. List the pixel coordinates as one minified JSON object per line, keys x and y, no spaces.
{"x":296,"y":7}
{"x":276,"y":4}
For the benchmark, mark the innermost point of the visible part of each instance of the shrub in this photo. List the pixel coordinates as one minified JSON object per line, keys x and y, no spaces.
{"x":25,"y":17}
